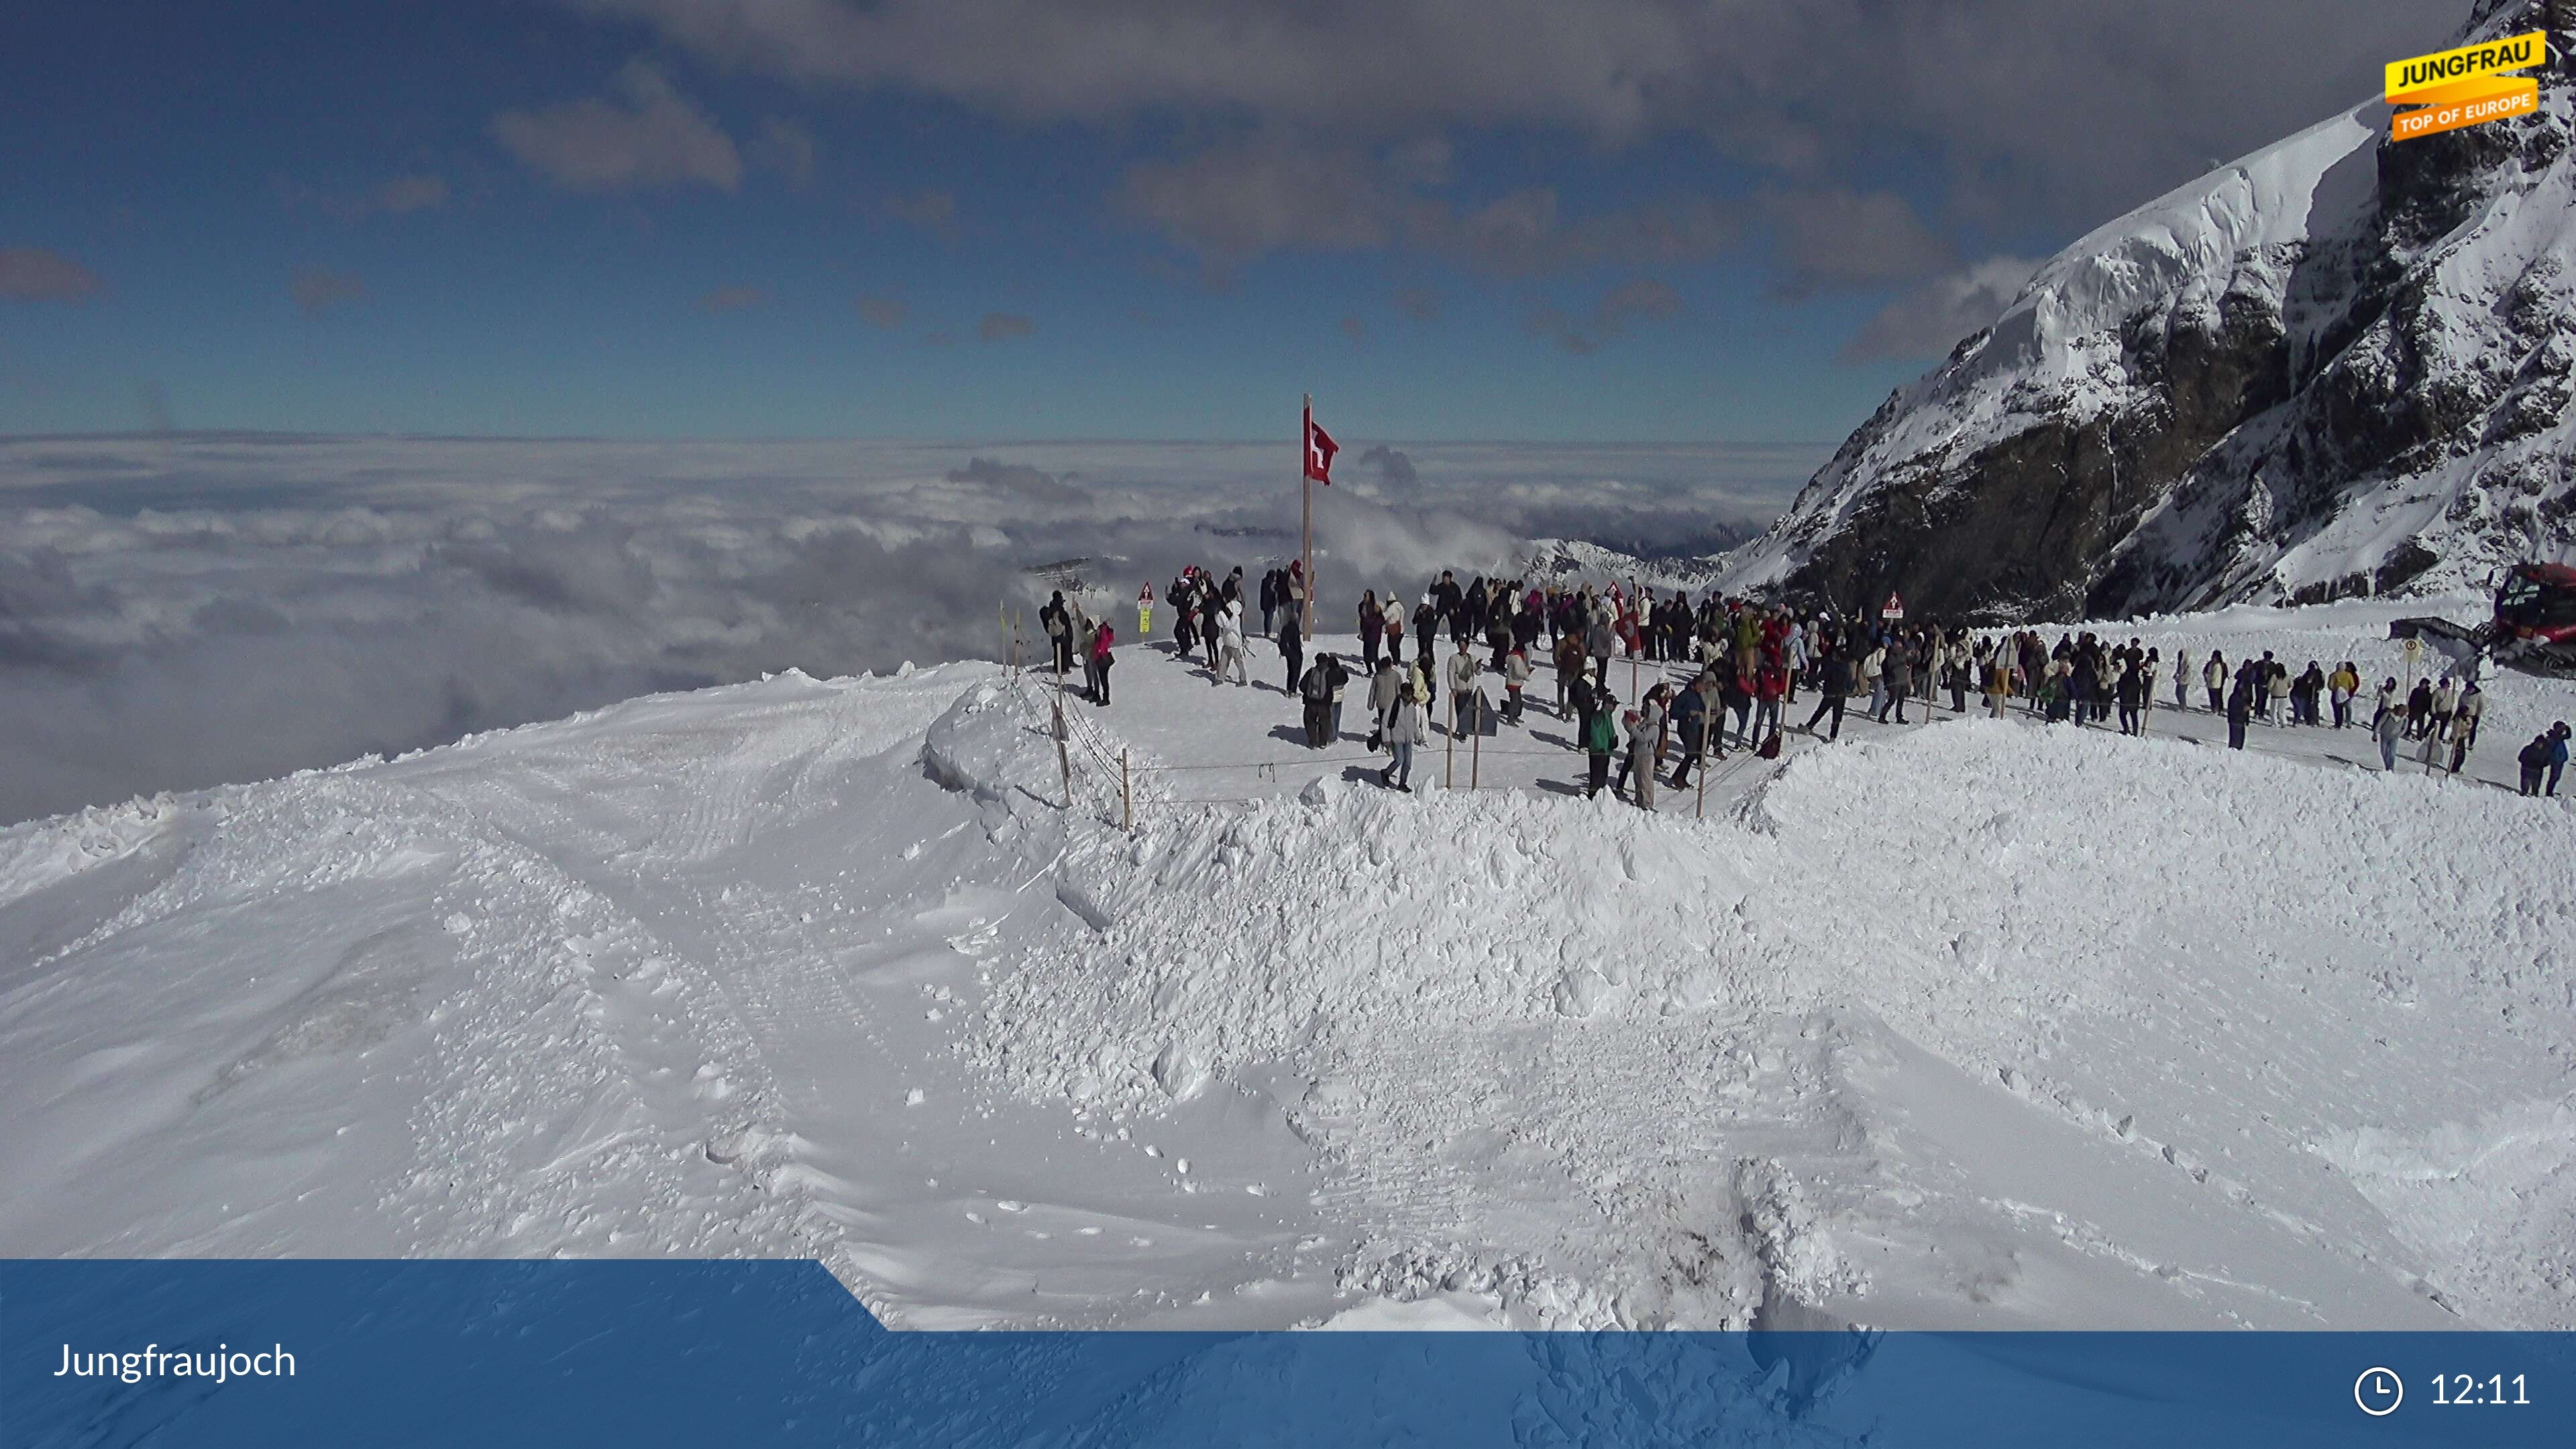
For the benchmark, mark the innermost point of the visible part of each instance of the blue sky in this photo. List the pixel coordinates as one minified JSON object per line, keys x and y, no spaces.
{"x":1114,"y":219}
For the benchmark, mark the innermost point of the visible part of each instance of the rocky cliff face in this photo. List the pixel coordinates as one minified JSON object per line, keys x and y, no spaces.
{"x":2340,"y":365}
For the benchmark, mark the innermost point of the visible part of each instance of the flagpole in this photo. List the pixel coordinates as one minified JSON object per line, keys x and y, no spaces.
{"x":1306,"y":479}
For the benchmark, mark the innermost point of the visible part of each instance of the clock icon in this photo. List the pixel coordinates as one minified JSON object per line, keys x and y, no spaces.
{"x":2378,"y":1391}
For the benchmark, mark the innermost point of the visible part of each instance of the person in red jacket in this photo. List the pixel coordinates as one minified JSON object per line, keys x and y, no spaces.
{"x":1770,"y":686}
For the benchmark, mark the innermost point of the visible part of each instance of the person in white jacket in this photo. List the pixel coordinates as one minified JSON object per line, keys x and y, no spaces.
{"x":1229,"y":645}
{"x":1403,"y":732}
{"x":1462,"y":690}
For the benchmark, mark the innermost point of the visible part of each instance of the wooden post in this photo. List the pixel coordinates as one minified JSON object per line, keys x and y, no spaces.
{"x":1449,"y":764}
{"x":1063,"y":760}
{"x":1126,"y":796}
{"x":1476,"y":753}
{"x":1699,"y":762}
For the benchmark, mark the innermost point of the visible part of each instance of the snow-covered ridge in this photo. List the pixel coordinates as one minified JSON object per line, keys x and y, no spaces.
{"x":2335,"y":365}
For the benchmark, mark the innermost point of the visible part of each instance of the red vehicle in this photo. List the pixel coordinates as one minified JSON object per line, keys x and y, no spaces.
{"x":2534,"y":628}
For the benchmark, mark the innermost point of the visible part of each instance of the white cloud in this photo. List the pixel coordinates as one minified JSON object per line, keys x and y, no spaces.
{"x":319,"y":289}
{"x":1003,"y":326}
{"x":1608,"y":318}
{"x":1931,"y":319}
{"x":34,"y":274}
{"x":180,"y":611}
{"x":651,"y":136}
{"x":731,"y":299}
{"x":405,"y":194}
{"x":1842,"y":238}
{"x":2087,"y":109}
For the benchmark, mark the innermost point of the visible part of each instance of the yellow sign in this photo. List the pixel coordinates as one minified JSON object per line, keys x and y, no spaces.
{"x":2465,"y":87}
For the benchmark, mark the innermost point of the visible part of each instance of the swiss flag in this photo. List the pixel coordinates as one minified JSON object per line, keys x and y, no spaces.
{"x":1320,"y":449}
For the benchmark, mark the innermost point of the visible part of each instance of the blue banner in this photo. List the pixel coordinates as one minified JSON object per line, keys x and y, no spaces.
{"x":757,"y":1353}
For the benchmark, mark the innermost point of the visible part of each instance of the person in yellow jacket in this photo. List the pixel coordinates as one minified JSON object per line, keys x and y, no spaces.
{"x":2341,"y":686}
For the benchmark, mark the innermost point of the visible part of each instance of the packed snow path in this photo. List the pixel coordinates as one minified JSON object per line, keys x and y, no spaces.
{"x":1969,"y":1024}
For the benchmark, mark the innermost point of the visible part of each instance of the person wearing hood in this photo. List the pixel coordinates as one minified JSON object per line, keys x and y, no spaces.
{"x":1229,"y":646}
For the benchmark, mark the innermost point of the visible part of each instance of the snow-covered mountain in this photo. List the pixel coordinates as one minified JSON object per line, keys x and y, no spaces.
{"x":2337,"y":366}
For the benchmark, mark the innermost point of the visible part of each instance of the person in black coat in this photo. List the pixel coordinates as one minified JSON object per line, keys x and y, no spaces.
{"x":1292,"y":648}
{"x":1837,"y":683}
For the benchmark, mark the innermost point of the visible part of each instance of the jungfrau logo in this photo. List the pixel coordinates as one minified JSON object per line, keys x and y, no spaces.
{"x":2469,"y":86}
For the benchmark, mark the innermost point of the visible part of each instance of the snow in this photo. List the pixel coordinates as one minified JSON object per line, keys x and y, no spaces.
{"x":1972,"y":1023}
{"x":2274,"y":227}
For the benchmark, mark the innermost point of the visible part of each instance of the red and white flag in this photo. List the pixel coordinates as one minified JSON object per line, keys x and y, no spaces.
{"x":1320,"y":449}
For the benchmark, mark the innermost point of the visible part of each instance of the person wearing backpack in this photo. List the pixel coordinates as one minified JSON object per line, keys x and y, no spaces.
{"x":1059,"y":631}
{"x":2341,"y":686}
{"x":1600,"y":737}
{"x":1316,"y":689}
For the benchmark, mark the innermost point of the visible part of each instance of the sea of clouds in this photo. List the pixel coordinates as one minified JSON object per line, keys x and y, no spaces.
{"x":183,"y":611}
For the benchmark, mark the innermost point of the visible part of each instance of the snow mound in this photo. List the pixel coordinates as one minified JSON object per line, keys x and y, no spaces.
{"x":1711,"y":1047}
